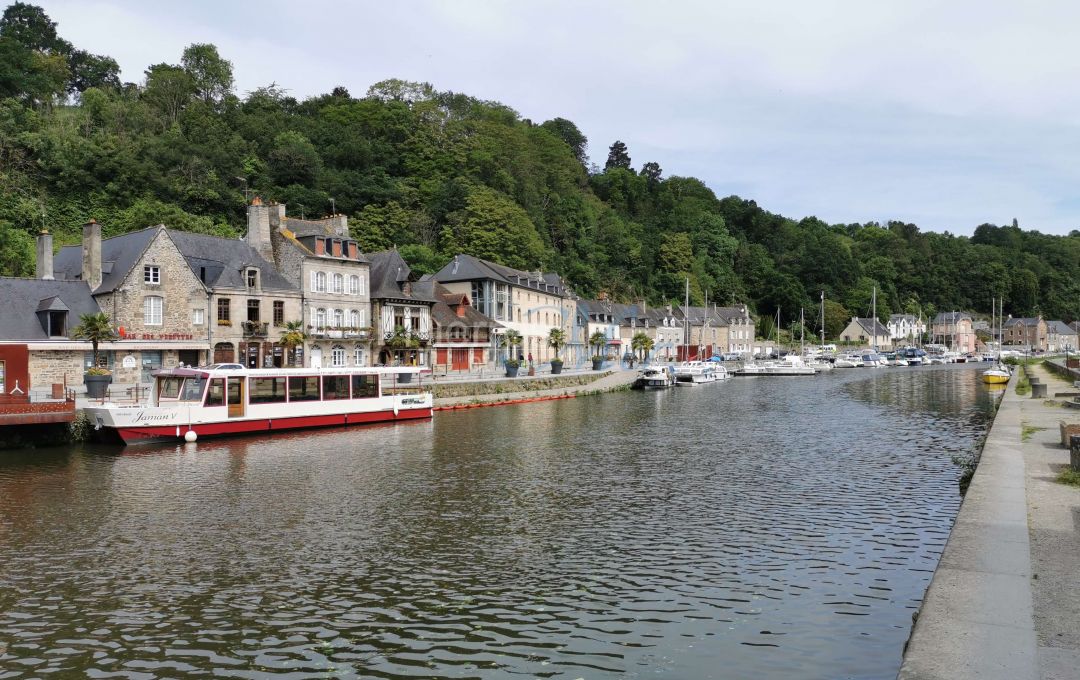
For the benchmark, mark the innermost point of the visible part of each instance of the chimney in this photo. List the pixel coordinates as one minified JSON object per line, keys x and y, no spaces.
{"x":642,"y":303}
{"x":44,"y":256}
{"x":340,"y":225}
{"x":91,"y":254}
{"x":277,"y":215}
{"x":258,"y":233}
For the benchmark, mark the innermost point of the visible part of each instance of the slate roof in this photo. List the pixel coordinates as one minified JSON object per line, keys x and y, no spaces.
{"x":1075,"y":325}
{"x":468,"y":268}
{"x":869,"y":325}
{"x":23,"y":298}
{"x":225,"y":261}
{"x":118,"y":255}
{"x":390,"y":273}
{"x":951,"y":317}
{"x":1060,"y":327}
{"x":897,"y":318}
{"x":1022,"y":321}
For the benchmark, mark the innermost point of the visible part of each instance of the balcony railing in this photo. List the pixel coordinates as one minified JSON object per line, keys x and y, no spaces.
{"x":256,"y":329}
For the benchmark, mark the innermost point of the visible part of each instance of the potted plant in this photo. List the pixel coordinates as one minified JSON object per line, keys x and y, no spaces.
{"x":512,"y":363}
{"x":556,"y":340}
{"x":97,"y":329}
{"x":598,"y":340}
{"x":292,"y":338}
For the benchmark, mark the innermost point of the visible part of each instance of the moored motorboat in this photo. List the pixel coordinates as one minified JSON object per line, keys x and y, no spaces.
{"x":655,"y":378}
{"x":788,"y":366}
{"x":223,"y":400}
{"x":997,"y":375}
{"x":696,"y":373}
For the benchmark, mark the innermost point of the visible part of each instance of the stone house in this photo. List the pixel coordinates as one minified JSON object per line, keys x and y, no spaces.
{"x":905,"y":328}
{"x":531,"y":303}
{"x":866,"y":331}
{"x":956,"y":330}
{"x":1061,"y":337}
{"x":321,"y":259}
{"x":1029,"y":332}
{"x":156,"y":302}
{"x":401,"y":312}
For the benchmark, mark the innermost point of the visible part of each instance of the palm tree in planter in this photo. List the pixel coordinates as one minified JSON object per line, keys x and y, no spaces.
{"x":96,"y":328}
{"x":599,"y":341}
{"x":512,"y":363}
{"x":556,"y":340}
{"x":293,"y":337}
{"x":642,"y":344}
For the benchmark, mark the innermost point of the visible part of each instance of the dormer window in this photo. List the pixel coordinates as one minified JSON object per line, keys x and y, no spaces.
{"x":151,"y":274}
{"x":251,"y":276}
{"x":57,"y":324}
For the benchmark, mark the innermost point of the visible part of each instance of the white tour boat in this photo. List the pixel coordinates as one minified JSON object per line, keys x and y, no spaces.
{"x":225,"y":399}
{"x":789,"y":365}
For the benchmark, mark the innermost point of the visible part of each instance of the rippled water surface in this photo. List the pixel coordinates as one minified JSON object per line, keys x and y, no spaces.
{"x":759,"y":528}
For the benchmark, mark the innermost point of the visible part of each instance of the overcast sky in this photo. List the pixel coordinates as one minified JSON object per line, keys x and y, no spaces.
{"x":945,"y":114}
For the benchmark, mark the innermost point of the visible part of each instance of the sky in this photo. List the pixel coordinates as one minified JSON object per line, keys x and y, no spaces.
{"x":945,"y":115}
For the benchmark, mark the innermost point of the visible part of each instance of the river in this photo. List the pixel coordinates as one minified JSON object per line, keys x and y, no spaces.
{"x":757,"y":528}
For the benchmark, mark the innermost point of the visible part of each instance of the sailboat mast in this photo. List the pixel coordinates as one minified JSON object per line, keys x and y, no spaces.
{"x":873,"y":319}
{"x":802,"y":331}
{"x":822,"y":318}
{"x":686,"y":321}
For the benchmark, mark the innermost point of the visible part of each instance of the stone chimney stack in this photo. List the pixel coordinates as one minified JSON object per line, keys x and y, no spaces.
{"x":340,"y":225}
{"x":91,"y":254}
{"x":258,"y":233}
{"x":277,"y":216}
{"x":642,"y":305}
{"x":44,"y":256}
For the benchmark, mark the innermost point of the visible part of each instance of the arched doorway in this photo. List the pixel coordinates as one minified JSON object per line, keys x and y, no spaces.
{"x":224,"y":353}
{"x":316,"y":357}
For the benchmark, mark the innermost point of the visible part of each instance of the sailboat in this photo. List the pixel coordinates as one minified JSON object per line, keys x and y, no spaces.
{"x":999,"y":374}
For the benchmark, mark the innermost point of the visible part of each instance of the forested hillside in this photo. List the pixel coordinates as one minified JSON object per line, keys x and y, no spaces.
{"x":435,"y":173}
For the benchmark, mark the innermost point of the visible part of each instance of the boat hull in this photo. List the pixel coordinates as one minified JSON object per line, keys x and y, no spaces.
{"x":162,"y":433}
{"x":995,"y":378}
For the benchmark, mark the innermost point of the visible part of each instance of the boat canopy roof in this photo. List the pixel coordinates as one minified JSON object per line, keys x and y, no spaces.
{"x":236,"y":370}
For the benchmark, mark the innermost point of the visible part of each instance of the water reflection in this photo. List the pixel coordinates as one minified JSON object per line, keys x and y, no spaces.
{"x":757,"y":528}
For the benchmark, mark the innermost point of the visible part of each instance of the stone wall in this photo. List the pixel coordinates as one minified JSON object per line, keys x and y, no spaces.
{"x":468,"y":389}
{"x":53,"y":366}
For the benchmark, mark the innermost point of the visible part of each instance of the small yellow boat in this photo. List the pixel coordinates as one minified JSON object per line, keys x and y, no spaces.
{"x":999,"y":375}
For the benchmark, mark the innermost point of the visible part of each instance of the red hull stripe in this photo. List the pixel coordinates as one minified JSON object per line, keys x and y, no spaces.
{"x":132,"y":435}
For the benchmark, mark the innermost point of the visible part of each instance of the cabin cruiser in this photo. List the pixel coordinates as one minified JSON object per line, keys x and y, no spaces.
{"x":789,"y":365}
{"x":699,"y":372}
{"x":655,"y":378}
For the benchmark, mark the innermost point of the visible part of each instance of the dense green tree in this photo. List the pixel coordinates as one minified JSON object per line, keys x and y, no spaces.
{"x":569,"y":133}
{"x":618,"y":157}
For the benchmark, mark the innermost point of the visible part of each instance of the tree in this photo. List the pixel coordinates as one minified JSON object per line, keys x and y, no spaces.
{"x":33,"y":29}
{"x":642,"y":344}
{"x":96,"y":328}
{"x":569,"y":133}
{"x":513,"y":340}
{"x":599,"y":341}
{"x":556,"y":340}
{"x":291,"y":338}
{"x":168,"y":90}
{"x":617,"y":157}
{"x":293,"y":160}
{"x":92,"y":70}
{"x":651,"y":172}
{"x":211,"y":75}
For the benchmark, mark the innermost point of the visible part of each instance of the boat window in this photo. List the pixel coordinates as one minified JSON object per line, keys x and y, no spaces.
{"x":304,"y":388}
{"x":169,"y":388}
{"x":365,"y":386}
{"x":267,"y":390}
{"x":215,"y":396}
{"x":193,"y":389}
{"x":335,"y":387}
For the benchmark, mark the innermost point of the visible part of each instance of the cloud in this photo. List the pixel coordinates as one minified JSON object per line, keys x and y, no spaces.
{"x":943,"y":114}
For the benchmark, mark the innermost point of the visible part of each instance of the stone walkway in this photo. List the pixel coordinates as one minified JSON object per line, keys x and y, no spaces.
{"x":611,"y":381}
{"x":1005,"y":600}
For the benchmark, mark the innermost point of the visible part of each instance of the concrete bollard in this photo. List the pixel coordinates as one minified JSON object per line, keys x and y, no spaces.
{"x":1074,"y":452}
{"x":1038,"y":391}
{"x":1035,"y":380}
